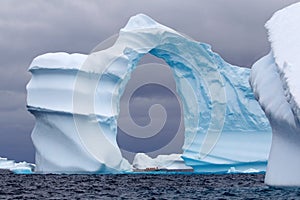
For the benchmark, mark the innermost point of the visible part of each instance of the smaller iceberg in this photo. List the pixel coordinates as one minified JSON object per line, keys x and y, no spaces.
{"x":16,"y":167}
{"x":233,"y":170}
{"x":172,"y":162}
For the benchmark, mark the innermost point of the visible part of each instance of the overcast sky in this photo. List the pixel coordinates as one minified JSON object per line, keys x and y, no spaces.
{"x":234,"y":28}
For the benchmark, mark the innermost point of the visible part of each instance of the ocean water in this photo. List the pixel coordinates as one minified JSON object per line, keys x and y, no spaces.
{"x":141,"y":186}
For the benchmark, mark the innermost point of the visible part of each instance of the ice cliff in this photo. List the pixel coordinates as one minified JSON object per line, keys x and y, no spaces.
{"x":275,"y":81}
{"x":75,"y":100}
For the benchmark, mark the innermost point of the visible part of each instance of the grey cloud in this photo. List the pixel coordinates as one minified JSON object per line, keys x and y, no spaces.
{"x":18,"y":118}
{"x":10,"y":100}
{"x":14,"y":80}
{"x":15,"y":131}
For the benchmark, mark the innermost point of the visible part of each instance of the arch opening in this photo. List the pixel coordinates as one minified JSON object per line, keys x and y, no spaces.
{"x":155,"y":107}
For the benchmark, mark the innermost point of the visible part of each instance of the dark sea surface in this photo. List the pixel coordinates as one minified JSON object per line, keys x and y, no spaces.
{"x":141,"y":186}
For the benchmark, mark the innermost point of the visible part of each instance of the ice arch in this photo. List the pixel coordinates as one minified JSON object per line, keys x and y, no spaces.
{"x":198,"y":82}
{"x":75,"y":98}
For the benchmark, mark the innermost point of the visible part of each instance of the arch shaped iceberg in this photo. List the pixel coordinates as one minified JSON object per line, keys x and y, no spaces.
{"x":75,"y":99}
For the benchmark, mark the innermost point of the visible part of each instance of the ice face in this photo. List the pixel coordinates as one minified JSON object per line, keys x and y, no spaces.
{"x":75,"y":99}
{"x":275,"y":82}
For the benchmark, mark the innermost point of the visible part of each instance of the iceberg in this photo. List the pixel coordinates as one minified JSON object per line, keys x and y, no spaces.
{"x":232,"y":170}
{"x":275,"y":82}
{"x":75,"y":100}
{"x":18,"y":168}
{"x":162,"y":162}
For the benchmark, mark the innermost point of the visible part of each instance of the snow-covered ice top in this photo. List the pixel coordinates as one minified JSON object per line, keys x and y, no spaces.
{"x":284,"y":30}
{"x":59,"y":60}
